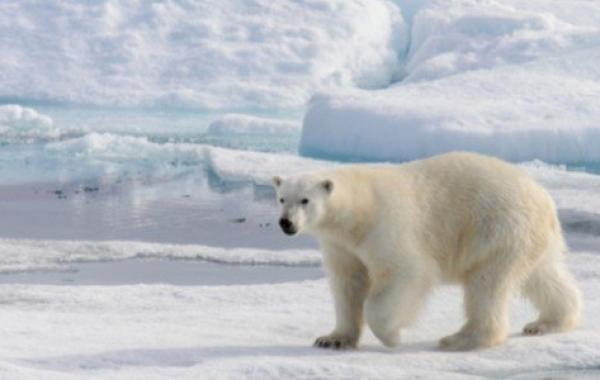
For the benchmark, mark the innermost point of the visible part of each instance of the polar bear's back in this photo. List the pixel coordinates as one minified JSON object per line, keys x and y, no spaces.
{"x":466,"y":177}
{"x":481,"y":183}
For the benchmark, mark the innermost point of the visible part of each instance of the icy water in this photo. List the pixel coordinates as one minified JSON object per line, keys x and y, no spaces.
{"x":181,"y":212}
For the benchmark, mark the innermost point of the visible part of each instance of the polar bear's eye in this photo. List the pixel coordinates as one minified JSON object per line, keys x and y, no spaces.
{"x":281,"y":200}
{"x":304,"y":201}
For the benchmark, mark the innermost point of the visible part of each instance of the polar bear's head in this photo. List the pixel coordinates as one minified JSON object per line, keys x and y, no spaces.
{"x":302,"y":201}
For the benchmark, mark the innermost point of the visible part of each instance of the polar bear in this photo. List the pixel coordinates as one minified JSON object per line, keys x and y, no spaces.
{"x":389,"y":233}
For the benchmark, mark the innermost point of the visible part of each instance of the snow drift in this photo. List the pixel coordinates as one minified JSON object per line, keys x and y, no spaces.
{"x":544,"y":110}
{"x":34,"y":255}
{"x":511,"y":80}
{"x":230,"y":54}
{"x":450,"y":37}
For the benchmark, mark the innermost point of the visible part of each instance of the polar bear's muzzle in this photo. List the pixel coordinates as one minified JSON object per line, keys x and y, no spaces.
{"x":287,"y":226}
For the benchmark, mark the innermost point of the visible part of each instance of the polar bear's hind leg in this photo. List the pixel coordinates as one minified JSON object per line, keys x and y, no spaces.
{"x":487,"y":292}
{"x":553,"y":292}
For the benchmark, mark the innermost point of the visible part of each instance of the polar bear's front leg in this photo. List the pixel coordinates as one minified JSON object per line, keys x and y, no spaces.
{"x":394,"y":301}
{"x":349,"y":285}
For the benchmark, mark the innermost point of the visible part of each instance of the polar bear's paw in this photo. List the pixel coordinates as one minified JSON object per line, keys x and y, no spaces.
{"x":336,"y":342}
{"x":536,"y":328}
{"x":456,"y":342}
{"x":463,"y":341}
{"x":542,"y":327}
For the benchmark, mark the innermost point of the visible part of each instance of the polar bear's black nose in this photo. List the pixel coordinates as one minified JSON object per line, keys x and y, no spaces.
{"x":285,"y":223}
{"x":287,"y":226}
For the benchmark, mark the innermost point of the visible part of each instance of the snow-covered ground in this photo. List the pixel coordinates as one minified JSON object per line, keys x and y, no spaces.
{"x":142,"y":137}
{"x":262,"y":332}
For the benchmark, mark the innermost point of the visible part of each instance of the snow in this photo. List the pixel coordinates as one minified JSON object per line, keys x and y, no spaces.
{"x":232,"y":124}
{"x":262,"y":331}
{"x":25,"y":124}
{"x":571,"y":190}
{"x":15,"y":116}
{"x":18,"y":255}
{"x":452,"y":37}
{"x":272,"y":133}
{"x":541,"y":110}
{"x":496,"y":78}
{"x":218,"y":54}
{"x":231,"y":166}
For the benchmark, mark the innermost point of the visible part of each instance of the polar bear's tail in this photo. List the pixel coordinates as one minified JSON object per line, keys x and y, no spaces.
{"x":554,"y":292}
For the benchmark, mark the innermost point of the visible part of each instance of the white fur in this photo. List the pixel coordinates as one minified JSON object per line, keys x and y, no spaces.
{"x":389,"y":233}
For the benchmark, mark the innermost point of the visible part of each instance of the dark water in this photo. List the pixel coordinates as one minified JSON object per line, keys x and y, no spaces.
{"x":180,"y":212}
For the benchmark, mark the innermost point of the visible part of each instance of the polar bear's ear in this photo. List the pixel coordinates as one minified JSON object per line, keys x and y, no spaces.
{"x":327,"y":185}
{"x":277,"y":181}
